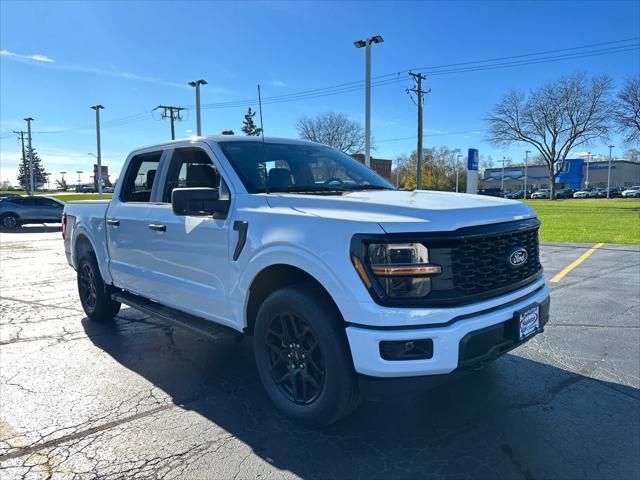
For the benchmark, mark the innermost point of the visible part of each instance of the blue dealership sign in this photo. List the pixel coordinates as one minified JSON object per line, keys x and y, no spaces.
{"x":472,"y":159}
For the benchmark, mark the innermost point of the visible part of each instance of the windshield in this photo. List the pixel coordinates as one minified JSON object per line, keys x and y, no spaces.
{"x":299,"y":168}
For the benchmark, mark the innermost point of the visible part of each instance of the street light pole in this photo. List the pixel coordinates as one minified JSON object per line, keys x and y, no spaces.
{"x":99,"y":157}
{"x":29,"y":120}
{"x":79,"y":172}
{"x":367,"y":101}
{"x":502,"y":177}
{"x":196,"y":84}
{"x":586,"y":183}
{"x":457,"y":171}
{"x":526,"y":162}
{"x":611,"y":147}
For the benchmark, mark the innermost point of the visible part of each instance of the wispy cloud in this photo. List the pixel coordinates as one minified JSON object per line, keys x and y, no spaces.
{"x":35,"y":58}
{"x":44,"y":61}
{"x":277,"y":83}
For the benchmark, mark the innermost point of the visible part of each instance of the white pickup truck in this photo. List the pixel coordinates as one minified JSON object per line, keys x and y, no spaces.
{"x":341,"y":280}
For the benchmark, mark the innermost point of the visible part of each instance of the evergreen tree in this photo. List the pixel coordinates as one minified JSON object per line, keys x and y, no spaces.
{"x":248,"y":127}
{"x":39,"y":173}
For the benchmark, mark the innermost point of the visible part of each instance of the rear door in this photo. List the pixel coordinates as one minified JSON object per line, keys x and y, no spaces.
{"x":131,"y":262}
{"x":190,"y":254}
{"x":48,"y":210}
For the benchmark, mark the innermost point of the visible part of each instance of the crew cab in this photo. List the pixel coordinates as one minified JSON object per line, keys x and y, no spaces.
{"x":341,"y":280}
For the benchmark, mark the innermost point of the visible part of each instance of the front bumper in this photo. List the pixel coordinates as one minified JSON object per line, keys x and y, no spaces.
{"x":447,"y":340}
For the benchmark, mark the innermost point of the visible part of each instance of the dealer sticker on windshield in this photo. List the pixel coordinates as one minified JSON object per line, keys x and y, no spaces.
{"x":529,"y":321}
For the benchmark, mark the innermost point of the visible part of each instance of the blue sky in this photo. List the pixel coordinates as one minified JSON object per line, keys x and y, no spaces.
{"x":59,"y":58}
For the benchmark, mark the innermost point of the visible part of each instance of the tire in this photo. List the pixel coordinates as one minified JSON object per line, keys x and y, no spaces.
{"x":10,"y":221}
{"x":95,"y":296}
{"x":299,"y":339}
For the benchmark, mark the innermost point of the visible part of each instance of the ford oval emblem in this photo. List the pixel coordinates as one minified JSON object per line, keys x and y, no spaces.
{"x":518,"y":257}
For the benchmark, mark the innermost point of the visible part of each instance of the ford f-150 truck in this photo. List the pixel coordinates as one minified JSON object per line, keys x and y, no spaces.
{"x":340,"y":279}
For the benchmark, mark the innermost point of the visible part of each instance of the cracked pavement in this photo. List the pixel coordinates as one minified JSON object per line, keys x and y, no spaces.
{"x":137,"y":398}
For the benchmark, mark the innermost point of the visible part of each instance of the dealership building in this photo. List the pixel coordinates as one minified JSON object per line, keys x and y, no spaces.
{"x":573,"y":175}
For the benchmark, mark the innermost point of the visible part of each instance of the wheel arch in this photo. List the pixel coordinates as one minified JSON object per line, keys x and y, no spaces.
{"x":82,"y":244}
{"x":277,"y":276}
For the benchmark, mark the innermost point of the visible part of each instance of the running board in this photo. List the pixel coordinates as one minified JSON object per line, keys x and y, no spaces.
{"x":214,"y":331}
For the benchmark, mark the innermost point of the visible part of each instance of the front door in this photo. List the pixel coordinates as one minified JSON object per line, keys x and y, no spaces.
{"x":191,"y":254}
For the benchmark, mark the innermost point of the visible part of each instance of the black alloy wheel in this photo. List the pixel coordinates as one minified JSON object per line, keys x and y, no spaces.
{"x":295,"y":359}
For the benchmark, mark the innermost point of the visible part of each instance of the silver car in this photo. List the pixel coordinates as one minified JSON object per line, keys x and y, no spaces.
{"x":16,"y":211}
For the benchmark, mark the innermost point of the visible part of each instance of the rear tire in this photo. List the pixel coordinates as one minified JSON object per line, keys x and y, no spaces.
{"x":303,"y":357}
{"x":95,"y":295}
{"x":10,"y":221}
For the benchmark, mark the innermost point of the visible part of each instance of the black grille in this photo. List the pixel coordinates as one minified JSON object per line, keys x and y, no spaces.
{"x":481,"y":264}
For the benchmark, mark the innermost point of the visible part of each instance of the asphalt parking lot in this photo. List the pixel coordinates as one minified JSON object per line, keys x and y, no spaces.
{"x":139,"y":399}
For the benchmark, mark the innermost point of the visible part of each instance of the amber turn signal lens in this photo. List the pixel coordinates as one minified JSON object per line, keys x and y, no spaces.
{"x":405,"y":270}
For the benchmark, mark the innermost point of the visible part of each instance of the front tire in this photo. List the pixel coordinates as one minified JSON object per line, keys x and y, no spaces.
{"x":10,"y":221}
{"x":95,"y":296}
{"x":303,"y":357}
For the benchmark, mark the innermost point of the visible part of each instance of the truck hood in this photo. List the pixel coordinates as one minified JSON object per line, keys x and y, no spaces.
{"x":403,"y":211}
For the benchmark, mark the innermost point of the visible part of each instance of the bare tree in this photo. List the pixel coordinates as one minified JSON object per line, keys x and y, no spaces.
{"x":627,"y":114}
{"x":333,"y":129}
{"x":555,"y":118}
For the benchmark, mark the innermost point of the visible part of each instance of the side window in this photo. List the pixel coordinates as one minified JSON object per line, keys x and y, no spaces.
{"x":46,"y":202}
{"x":138,"y":180}
{"x":192,"y":167}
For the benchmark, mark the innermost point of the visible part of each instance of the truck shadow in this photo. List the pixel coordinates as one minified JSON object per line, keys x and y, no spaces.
{"x":517,"y":419}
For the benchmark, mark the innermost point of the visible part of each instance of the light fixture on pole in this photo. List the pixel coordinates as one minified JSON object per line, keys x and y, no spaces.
{"x":526,"y":161}
{"x":367,"y":105}
{"x":196,"y":84}
{"x":97,"y":108}
{"x":611,"y":147}
{"x":457,"y":171}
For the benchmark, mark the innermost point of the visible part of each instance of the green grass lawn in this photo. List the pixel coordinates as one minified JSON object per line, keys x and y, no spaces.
{"x":589,"y":220}
{"x":70,"y":197}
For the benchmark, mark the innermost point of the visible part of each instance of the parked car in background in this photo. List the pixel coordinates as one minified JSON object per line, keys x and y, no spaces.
{"x":17,"y":211}
{"x":107,"y":190}
{"x":541,"y":194}
{"x":8,"y":195}
{"x":491,"y":192}
{"x":586,"y":193}
{"x":565,"y":193}
{"x":632,"y":192}
{"x":85,"y":189}
{"x":614,"y":192}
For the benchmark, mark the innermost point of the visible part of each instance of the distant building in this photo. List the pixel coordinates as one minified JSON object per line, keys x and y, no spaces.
{"x":573,"y":175}
{"x":379,"y":165}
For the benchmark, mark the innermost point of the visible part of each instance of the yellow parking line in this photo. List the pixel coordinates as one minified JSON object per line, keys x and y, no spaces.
{"x":570,"y":267}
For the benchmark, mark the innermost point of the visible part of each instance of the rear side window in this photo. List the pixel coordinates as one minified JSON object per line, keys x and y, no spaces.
{"x":138,"y":180}
{"x":47,"y":202}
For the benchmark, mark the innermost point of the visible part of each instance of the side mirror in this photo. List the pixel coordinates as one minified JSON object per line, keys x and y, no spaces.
{"x":198,"y":202}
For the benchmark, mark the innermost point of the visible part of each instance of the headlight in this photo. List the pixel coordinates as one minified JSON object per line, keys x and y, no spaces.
{"x":401,"y":269}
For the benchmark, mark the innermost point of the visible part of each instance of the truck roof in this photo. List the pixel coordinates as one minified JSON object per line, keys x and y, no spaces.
{"x":230,"y":138}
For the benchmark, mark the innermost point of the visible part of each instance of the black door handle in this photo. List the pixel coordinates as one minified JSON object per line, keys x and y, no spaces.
{"x":157,"y":227}
{"x":113,"y":221}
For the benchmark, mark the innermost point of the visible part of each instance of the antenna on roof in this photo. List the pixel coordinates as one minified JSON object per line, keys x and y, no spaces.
{"x":264,"y":156}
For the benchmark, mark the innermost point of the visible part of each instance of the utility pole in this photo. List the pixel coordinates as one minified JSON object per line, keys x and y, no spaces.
{"x":417,"y":77}
{"x":97,"y":108}
{"x":611,"y":147}
{"x":196,"y":84}
{"x":21,"y":133}
{"x":367,"y":98}
{"x":526,"y":161}
{"x":457,"y":171}
{"x":29,"y":120}
{"x":173,"y":113}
